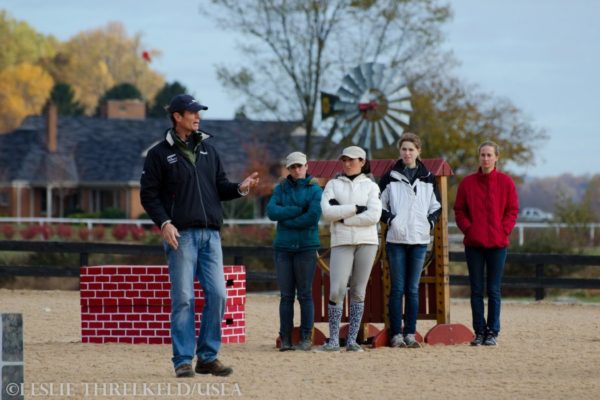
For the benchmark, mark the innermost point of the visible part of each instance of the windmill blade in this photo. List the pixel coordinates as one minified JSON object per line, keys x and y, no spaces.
{"x":360,"y":138}
{"x":377,"y":135}
{"x":349,"y":130}
{"x":393,"y":127}
{"x":345,"y":122}
{"x":396,"y":85}
{"x":407,"y":109}
{"x":348,"y":112}
{"x":401,"y":119}
{"x":399,"y":96}
{"x":351,"y":85}
{"x":349,"y":118}
{"x":345,"y":106}
{"x":358,"y":77}
{"x":348,"y":95}
{"x":403,"y":106}
{"x":366,"y":71}
{"x":345,"y":117}
{"x":401,"y":93}
{"x":387,"y":132}
{"x":387,"y":82}
{"x":378,"y":74}
{"x":402,"y":102}
{"x":400,"y":116}
{"x":337,"y":136}
{"x":342,"y":126}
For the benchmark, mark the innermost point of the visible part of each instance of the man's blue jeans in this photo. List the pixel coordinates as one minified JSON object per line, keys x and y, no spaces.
{"x":199,"y":255}
{"x":295,"y":272}
{"x":485,"y":265}
{"x":406,"y":264}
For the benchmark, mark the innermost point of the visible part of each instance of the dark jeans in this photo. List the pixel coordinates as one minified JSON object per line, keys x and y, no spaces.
{"x":485,"y":266}
{"x":295,"y":273}
{"x":406,"y":265}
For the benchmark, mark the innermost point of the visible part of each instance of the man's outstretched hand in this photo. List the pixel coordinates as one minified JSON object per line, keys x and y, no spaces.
{"x":250,"y":182}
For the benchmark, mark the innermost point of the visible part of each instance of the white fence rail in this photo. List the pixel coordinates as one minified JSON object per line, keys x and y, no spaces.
{"x":90,"y":222}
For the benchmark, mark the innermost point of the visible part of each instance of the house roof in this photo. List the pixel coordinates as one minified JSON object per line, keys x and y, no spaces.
{"x":100,"y":151}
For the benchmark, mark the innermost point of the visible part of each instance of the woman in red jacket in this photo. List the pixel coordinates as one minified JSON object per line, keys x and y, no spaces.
{"x":486,"y":211}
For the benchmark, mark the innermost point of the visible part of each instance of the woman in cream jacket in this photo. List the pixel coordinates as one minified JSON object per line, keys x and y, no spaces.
{"x":351,"y":204}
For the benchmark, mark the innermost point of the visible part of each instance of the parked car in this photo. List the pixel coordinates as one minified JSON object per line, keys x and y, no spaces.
{"x":532,"y":214}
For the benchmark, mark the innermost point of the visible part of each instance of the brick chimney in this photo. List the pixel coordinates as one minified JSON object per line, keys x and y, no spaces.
{"x":51,"y":127}
{"x":124,"y":109}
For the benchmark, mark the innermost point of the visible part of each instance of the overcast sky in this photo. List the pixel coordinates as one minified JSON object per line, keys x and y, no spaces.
{"x":541,"y":54}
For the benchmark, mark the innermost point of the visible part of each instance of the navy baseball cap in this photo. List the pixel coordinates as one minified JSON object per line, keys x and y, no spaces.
{"x":185,"y":102}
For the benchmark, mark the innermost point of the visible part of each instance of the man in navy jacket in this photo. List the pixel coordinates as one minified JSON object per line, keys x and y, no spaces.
{"x":182,"y":186}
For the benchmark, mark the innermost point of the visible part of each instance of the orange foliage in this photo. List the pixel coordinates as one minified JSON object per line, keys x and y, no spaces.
{"x":94,"y":61}
{"x":260,"y":160}
{"x":24,"y":89}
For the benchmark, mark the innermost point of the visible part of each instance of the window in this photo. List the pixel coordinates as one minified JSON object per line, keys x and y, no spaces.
{"x":4,"y":199}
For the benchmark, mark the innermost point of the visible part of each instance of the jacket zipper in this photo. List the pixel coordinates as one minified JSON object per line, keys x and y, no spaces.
{"x":200,"y":194}
{"x":173,"y":208}
{"x":198,"y":186}
{"x":197,"y":179}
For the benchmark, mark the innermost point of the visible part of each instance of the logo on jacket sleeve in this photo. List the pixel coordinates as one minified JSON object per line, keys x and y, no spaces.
{"x":172,"y":159}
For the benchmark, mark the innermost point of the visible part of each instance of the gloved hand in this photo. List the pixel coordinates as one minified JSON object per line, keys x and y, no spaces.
{"x":360,"y":209}
{"x":333,"y":202}
{"x":390,"y":219}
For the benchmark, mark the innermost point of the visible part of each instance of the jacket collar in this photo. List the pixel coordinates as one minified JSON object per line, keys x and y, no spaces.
{"x":360,"y":177}
{"x":397,"y":169}
{"x":298,"y":182}
{"x":481,"y":175}
{"x":199,"y":134}
{"x":421,"y":169}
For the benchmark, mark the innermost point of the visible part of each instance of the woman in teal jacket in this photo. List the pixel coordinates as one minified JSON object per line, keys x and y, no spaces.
{"x":295,"y":205}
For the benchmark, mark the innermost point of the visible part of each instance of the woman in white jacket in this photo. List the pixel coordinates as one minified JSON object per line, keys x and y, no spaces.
{"x":410,"y":209}
{"x":351,"y":204}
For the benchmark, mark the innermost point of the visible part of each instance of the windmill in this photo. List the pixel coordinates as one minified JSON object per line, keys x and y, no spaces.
{"x":372,"y":107}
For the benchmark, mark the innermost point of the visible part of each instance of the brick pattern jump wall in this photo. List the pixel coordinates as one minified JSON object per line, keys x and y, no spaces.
{"x":131,"y":304}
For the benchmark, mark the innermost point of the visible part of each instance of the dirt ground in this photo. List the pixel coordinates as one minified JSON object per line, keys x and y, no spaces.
{"x":546,"y":351}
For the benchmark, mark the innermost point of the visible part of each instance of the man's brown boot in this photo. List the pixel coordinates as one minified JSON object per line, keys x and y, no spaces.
{"x":184,"y":371}
{"x":214,"y":367}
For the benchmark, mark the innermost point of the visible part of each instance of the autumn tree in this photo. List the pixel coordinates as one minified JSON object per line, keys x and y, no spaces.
{"x":260,"y":160}
{"x":294,"y":49}
{"x":578,"y":216}
{"x":21,"y":43}
{"x":96,"y":60}
{"x":163,"y":98}
{"x":63,"y":96}
{"x":24,"y":85}
{"x":24,"y":89}
{"x":593,"y":194}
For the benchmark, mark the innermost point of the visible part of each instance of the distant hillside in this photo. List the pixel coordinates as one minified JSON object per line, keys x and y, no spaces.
{"x":544,"y":192}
